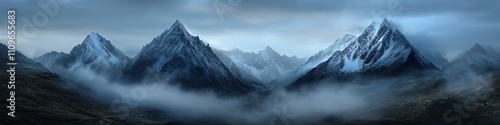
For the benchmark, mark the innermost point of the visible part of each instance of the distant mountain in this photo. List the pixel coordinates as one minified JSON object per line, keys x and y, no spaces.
{"x":430,"y":53}
{"x":22,"y":61}
{"x":184,"y":59}
{"x":435,"y":58}
{"x":476,"y":60}
{"x":338,"y":45}
{"x":380,"y":50}
{"x":95,"y":53}
{"x":54,"y":61}
{"x":261,"y":67}
{"x":320,"y":57}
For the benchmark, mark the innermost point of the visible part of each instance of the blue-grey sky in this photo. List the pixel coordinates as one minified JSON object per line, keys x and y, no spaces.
{"x":291,"y":27}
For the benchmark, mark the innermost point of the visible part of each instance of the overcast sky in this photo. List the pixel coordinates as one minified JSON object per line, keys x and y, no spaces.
{"x":291,"y":27}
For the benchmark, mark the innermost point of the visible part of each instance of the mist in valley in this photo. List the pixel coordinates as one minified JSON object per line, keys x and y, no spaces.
{"x":362,"y":99}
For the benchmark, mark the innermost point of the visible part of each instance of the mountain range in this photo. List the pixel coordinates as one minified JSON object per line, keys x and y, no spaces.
{"x":177,"y":57}
{"x":174,"y":56}
{"x":260,"y":68}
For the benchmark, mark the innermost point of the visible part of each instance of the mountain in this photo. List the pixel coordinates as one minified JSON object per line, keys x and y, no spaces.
{"x":95,"y":53}
{"x":380,"y":50}
{"x":54,"y":61}
{"x":479,"y":56}
{"x":323,"y":55}
{"x":476,"y":60}
{"x":430,"y":53}
{"x":261,"y":67}
{"x":22,"y":61}
{"x":435,"y":58}
{"x":316,"y":59}
{"x":183,"y":59}
{"x":47,"y":98}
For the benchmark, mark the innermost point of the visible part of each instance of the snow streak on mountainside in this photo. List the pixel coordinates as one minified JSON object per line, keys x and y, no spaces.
{"x":264,"y":66}
{"x":95,"y":52}
{"x":380,"y":49}
{"x":320,"y":57}
{"x":184,"y":59}
{"x":323,"y":55}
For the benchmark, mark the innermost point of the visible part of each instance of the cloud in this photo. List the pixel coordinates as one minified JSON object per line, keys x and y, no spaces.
{"x":291,"y":27}
{"x":307,"y":105}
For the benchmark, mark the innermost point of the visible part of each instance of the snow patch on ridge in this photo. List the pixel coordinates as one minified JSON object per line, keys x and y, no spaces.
{"x":352,"y":65}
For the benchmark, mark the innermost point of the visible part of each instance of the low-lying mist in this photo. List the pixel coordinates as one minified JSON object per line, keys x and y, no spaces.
{"x":301,"y":106}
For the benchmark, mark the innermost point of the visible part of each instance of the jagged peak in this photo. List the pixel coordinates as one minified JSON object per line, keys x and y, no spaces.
{"x":477,"y":47}
{"x":93,"y":42}
{"x":478,"y":52}
{"x":52,"y":53}
{"x":373,"y":25}
{"x":55,"y":52}
{"x":384,"y":23}
{"x":269,"y":50}
{"x":388,"y":24}
{"x":344,"y":39}
{"x":177,"y":27}
{"x":177,"y":23}
{"x":371,"y":29}
{"x":95,"y":35}
{"x":349,"y":36}
{"x":93,"y":38}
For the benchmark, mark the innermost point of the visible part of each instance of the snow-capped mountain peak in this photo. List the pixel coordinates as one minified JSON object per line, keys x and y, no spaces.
{"x":376,"y":29}
{"x":95,"y":52}
{"x":95,"y":37}
{"x":386,"y":23}
{"x":344,"y":40}
{"x":177,"y":29}
{"x":320,"y":57}
{"x":97,"y":44}
{"x":184,"y":59}
{"x":261,"y":67}
{"x":380,"y":49}
{"x":339,"y":45}
{"x":269,"y":53}
{"x":95,"y":47}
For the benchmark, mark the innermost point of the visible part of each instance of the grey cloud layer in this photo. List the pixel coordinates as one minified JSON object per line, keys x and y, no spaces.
{"x":292,"y":27}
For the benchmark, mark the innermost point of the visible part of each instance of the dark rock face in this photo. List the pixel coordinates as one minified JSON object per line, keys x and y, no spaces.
{"x":185,"y":60}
